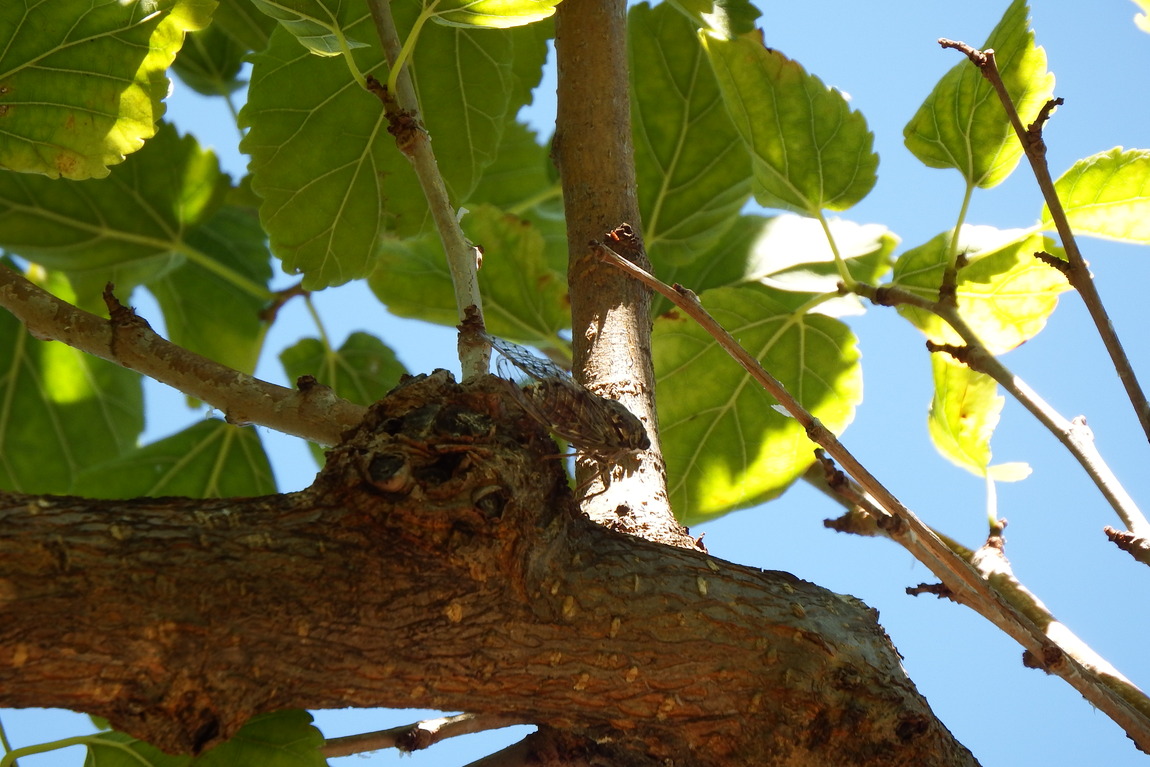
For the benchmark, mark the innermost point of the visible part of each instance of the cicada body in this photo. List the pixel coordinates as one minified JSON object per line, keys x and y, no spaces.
{"x":595,"y":426}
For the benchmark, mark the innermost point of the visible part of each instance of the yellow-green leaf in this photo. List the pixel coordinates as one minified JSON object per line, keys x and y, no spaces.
{"x":810,"y":151}
{"x":725,"y":444}
{"x":963,"y":413}
{"x":498,"y":14}
{"x":1004,"y":293}
{"x":81,"y":83}
{"x":1107,"y":195}
{"x":962,"y":123}
{"x":1143,"y":19}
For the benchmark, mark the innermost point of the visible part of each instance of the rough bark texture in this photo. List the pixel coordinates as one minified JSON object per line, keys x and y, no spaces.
{"x":610,"y":313}
{"x":438,"y":562}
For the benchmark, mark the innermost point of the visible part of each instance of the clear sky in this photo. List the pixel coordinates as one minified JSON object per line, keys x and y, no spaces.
{"x":884,"y":55}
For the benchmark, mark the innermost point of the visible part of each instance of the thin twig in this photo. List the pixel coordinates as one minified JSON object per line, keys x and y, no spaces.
{"x":1072,"y":434}
{"x":1078,"y":272}
{"x":405,"y":123}
{"x":417,"y":736}
{"x":1116,"y":697}
{"x":316,"y":414}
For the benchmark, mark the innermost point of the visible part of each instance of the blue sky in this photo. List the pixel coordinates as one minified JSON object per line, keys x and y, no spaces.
{"x":885,"y":57}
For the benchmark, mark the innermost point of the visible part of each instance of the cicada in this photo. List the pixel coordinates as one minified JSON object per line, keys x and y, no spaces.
{"x":595,"y":426}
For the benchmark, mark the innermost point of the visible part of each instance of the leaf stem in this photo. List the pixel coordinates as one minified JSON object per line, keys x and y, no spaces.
{"x":1078,"y":272}
{"x":1109,"y":692}
{"x":408,"y":46}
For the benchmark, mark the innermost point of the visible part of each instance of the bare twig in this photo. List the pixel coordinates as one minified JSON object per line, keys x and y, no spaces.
{"x":404,"y":122}
{"x":417,"y":736}
{"x":1078,"y":273}
{"x":1117,"y":697}
{"x":316,"y":414}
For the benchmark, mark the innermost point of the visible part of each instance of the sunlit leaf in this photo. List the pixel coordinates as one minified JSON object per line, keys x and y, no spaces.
{"x":523,"y":297}
{"x":792,"y":253}
{"x":331,"y":178}
{"x":963,"y":413}
{"x":726,"y":447}
{"x":725,"y":18}
{"x":962,"y":123}
{"x":318,"y":25}
{"x":61,"y":410}
{"x":1004,"y":293}
{"x":133,"y":221}
{"x":81,"y":83}
{"x":810,"y":150}
{"x":499,"y":14}
{"x":362,"y":370}
{"x":1142,"y":20}
{"x":279,"y":739}
{"x":1107,"y":195}
{"x":694,"y":174}
{"x":211,"y":459}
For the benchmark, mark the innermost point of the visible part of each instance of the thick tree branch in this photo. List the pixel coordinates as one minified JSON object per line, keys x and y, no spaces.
{"x":975,"y":587}
{"x":456,"y":575}
{"x":314,"y":413}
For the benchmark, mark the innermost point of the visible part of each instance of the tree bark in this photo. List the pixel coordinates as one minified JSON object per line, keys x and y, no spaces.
{"x":610,"y":312}
{"x":438,"y":562}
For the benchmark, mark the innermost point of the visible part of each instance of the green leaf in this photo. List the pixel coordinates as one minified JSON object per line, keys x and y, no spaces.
{"x":60,"y":410}
{"x":518,"y":180}
{"x":331,"y":178}
{"x":498,"y":14}
{"x":205,"y":309}
{"x":318,"y":25}
{"x":809,"y":149}
{"x":694,"y":175}
{"x":211,"y":459}
{"x":363,"y":370}
{"x":726,"y":447}
{"x":523,"y":297}
{"x":1107,"y":195}
{"x":726,"y":18}
{"x":81,"y":83}
{"x":210,"y":61}
{"x":134,"y":221}
{"x":279,"y":739}
{"x":791,"y":253}
{"x":962,"y":124}
{"x":240,"y":20}
{"x":1004,"y":293}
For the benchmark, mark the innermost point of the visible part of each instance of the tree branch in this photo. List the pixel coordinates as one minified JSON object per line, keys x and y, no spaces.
{"x":456,"y":575}
{"x":417,"y":736}
{"x":1077,"y":272}
{"x":405,"y":123}
{"x":314,"y":413}
{"x":1074,"y":435}
{"x":610,"y":315}
{"x":1117,"y":697}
